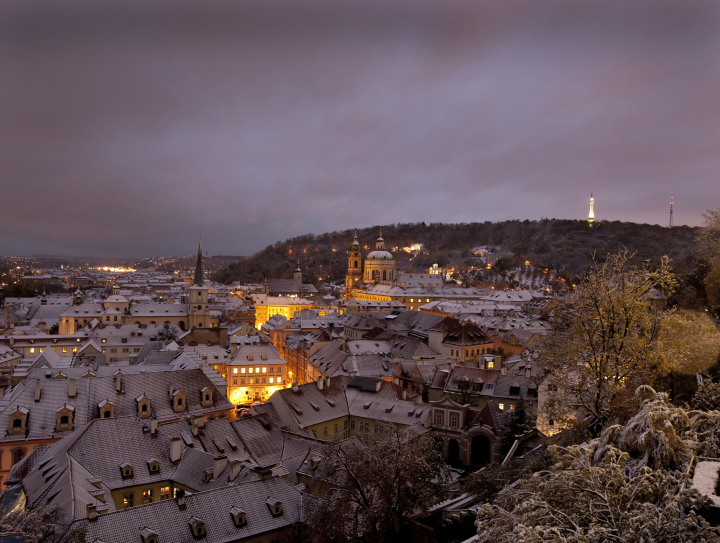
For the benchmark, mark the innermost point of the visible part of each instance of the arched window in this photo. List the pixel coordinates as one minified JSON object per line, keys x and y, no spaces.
{"x":17,"y":455}
{"x":356,"y":263}
{"x":384,"y":275}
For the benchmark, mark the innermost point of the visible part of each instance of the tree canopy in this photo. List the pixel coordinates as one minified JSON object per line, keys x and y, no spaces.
{"x":605,"y":341}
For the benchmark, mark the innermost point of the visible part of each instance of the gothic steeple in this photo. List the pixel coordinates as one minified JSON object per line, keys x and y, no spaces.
{"x":199,"y":279}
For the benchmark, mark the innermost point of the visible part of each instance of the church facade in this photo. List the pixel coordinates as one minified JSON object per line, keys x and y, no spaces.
{"x":379,"y":267}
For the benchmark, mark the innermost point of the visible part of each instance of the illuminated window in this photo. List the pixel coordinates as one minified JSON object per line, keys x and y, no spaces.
{"x":271,"y":380}
{"x":264,"y":370}
{"x":147,"y":496}
{"x":32,"y":350}
{"x":234,"y":370}
{"x":501,"y":406}
{"x":74,"y":349}
{"x":128,"y":499}
{"x":64,"y":349}
{"x":164,"y":493}
{"x":242,"y":370}
{"x":512,"y":407}
{"x":412,"y":300}
{"x":250,"y":370}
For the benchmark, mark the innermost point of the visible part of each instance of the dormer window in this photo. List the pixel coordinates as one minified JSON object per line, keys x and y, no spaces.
{"x":178,"y":401}
{"x":275,"y":507}
{"x":238,"y":516}
{"x":197,"y":527}
{"x":126,"y":470}
{"x":18,"y":421}
{"x":64,"y":418}
{"x":207,"y":475}
{"x":153,"y":465}
{"x":206,"y":396}
{"x":106,"y":409}
{"x":143,"y":406}
{"x":148,"y":535}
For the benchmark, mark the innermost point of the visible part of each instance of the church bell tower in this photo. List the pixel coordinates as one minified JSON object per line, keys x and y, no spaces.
{"x":198,"y":312}
{"x":353,"y":277}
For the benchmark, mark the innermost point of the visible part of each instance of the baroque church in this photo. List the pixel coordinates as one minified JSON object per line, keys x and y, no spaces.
{"x":379,"y":266}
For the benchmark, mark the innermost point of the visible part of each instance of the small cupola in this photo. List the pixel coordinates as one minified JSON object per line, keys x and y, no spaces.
{"x":275,"y":507}
{"x":238,"y":516}
{"x":197,"y":527}
{"x":126,"y":470}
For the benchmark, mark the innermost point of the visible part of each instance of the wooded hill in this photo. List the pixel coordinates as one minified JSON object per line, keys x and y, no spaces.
{"x":566,"y":247}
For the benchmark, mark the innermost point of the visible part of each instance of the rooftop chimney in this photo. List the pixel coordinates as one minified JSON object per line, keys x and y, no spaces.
{"x":404,"y":394}
{"x":503,"y":370}
{"x":72,"y":388}
{"x":378,"y":384}
{"x":235,"y":469}
{"x":153,"y":426}
{"x":37,"y":391}
{"x":92,"y":511}
{"x":258,"y":474}
{"x":327,"y":382}
{"x":528,"y":370}
{"x":320,"y":383}
{"x":118,"y":383}
{"x":175,"y":449}
{"x":180,"y":498}
{"x":294,"y":386}
{"x":219,"y":464}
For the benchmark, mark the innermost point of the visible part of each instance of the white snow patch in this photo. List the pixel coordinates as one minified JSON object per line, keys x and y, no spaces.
{"x":705,"y":480}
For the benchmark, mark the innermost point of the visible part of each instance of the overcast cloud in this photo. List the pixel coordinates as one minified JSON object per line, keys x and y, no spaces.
{"x":127,"y":127}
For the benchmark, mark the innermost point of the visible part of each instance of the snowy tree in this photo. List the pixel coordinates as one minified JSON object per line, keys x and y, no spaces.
{"x":605,"y":343}
{"x":580,"y":500}
{"x":689,"y":341}
{"x":367,"y":492}
{"x":707,"y":397}
{"x":624,"y":486}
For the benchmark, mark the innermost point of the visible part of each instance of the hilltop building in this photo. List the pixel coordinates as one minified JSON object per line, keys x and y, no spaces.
{"x":379,"y":267}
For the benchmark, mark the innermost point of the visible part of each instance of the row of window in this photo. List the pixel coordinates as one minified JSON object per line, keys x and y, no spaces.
{"x":471,"y":353}
{"x":271,"y":369}
{"x":147,"y":496}
{"x":256,"y":381}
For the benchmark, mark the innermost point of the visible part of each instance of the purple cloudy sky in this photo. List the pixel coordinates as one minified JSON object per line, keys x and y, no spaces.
{"x":127,"y":127}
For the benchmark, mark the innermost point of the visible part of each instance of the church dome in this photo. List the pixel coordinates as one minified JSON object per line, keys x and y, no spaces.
{"x":379,"y":255}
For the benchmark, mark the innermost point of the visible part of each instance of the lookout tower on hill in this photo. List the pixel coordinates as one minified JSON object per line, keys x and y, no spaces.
{"x":591,"y":215}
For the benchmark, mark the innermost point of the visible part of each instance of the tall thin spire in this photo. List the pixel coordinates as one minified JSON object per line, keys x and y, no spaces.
{"x":591,"y":215}
{"x":199,"y":280}
{"x":671,"y":212}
